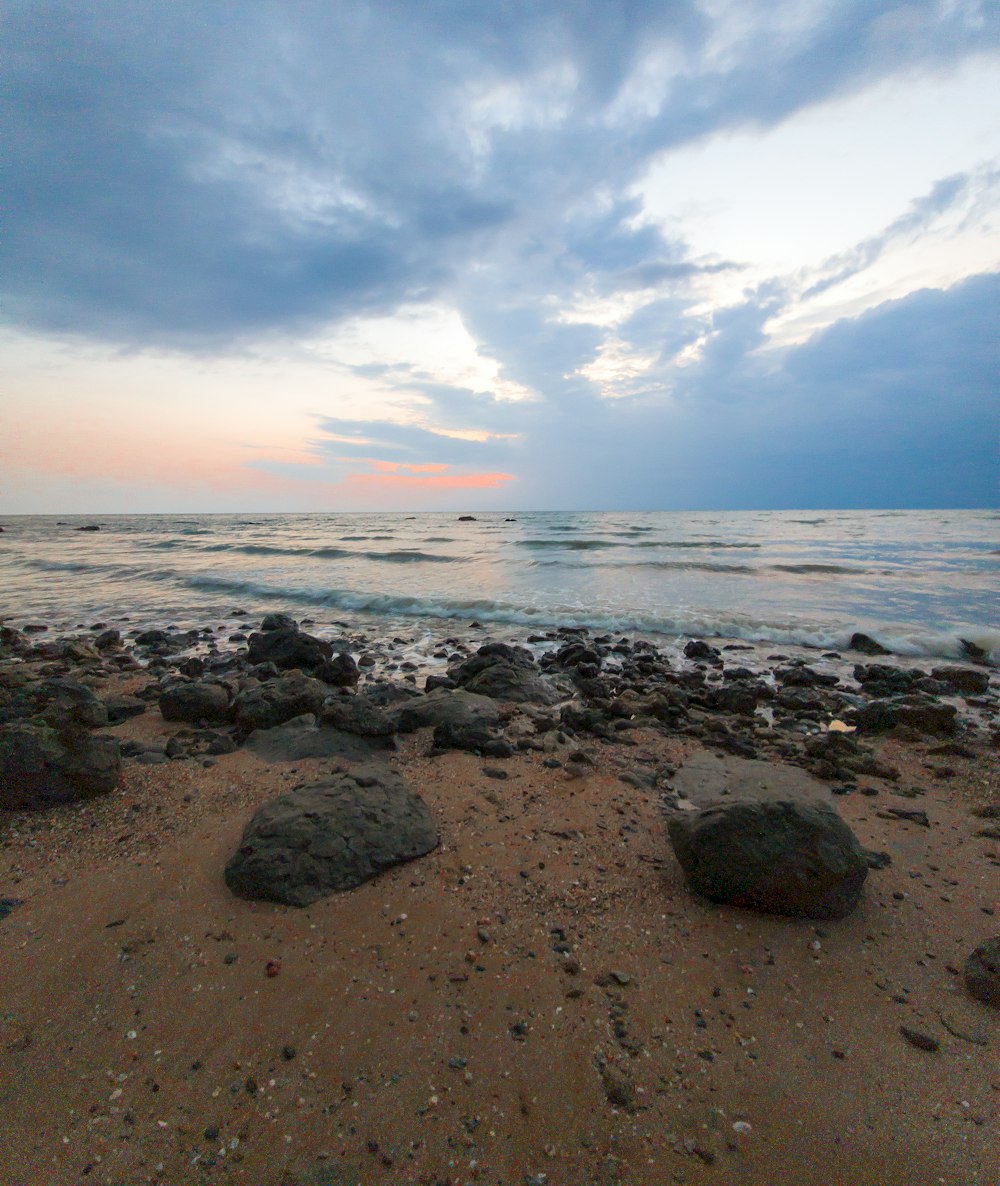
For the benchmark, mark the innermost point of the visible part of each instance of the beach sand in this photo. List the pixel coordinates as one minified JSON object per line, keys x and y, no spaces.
{"x":539,"y":1000}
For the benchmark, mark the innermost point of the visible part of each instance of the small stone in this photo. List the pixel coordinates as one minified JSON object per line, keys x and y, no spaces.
{"x":919,"y":1039}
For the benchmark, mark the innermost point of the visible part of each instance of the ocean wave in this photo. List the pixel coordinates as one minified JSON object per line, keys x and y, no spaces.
{"x":576,"y":545}
{"x":821,"y":568}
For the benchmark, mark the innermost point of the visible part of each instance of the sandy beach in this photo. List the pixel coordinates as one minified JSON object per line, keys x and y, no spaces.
{"x":541,"y":999}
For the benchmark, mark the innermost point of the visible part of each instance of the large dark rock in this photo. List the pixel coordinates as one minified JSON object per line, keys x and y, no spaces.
{"x":202,"y":701}
{"x":867,"y":645}
{"x":341,"y":671}
{"x":70,"y":705}
{"x":41,"y":767}
{"x":301,"y":738}
{"x":288,"y":647}
{"x":472,"y":736}
{"x":505,"y":673}
{"x":278,"y":622}
{"x":443,"y":705}
{"x":965,"y":681}
{"x":330,"y":835}
{"x":777,"y":855}
{"x":277,"y":701}
{"x":982,"y":972}
{"x":925,"y":716}
{"x":357,"y":714}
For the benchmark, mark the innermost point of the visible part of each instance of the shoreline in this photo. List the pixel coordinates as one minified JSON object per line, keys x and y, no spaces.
{"x":412,"y":1029}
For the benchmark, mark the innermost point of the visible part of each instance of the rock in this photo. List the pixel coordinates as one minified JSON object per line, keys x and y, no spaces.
{"x":619,"y":1090}
{"x":89,"y":527}
{"x":357,"y":714}
{"x":799,"y":675}
{"x":925,"y":716}
{"x":329,"y":836}
{"x":467,"y":518}
{"x":277,"y":701}
{"x":288,"y":647}
{"x":907,"y":814}
{"x":442,"y":706}
{"x":195,"y":702}
{"x":341,"y":671}
{"x":867,"y":645}
{"x":697,"y":649}
{"x":982,"y":972}
{"x":962,"y":680}
{"x":505,"y":673}
{"x":278,"y":622}
{"x":301,"y":738}
{"x":149,"y":638}
{"x":70,"y":705}
{"x":40,"y":767}
{"x":472,"y":737}
{"x":919,"y":1039}
{"x":121,"y":708}
{"x":9,"y":905}
{"x":779,"y":854}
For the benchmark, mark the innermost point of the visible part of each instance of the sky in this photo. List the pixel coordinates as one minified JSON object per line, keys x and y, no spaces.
{"x":333,"y":255}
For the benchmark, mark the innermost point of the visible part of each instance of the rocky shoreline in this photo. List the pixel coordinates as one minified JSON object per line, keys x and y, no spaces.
{"x":329,"y":752}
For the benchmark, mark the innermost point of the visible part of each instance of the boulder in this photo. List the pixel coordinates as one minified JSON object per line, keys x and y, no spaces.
{"x":70,"y":705}
{"x":505,"y":673}
{"x":925,"y":716}
{"x":277,"y":701}
{"x":982,"y":972}
{"x":779,"y":855}
{"x":357,"y":714}
{"x":341,"y":671}
{"x":442,"y":706}
{"x":867,"y":645}
{"x":301,"y":738}
{"x":278,"y":622}
{"x":202,"y":701}
{"x":472,"y":736}
{"x":965,"y":681}
{"x":698,"y":649}
{"x":40,"y":767}
{"x":288,"y":647}
{"x":331,"y":835}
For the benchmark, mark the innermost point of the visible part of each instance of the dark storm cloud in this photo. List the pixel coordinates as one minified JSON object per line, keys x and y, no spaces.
{"x":193,"y":174}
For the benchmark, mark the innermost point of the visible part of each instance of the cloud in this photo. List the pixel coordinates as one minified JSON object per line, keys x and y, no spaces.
{"x":944,"y":195}
{"x":192,"y":175}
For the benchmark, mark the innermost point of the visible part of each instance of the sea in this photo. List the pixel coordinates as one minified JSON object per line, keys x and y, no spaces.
{"x":918,"y":582}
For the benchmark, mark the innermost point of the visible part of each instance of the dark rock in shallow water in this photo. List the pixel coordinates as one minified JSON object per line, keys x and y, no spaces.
{"x":962,"y":680}
{"x":925,"y":716}
{"x":40,"y":767}
{"x":698,"y":649}
{"x":504,"y":672}
{"x":340,"y":672}
{"x":982,"y":972}
{"x":289,"y":647}
{"x":195,"y":702}
{"x":277,"y":701}
{"x":148,"y":638}
{"x":867,"y":645}
{"x":278,"y":622}
{"x":330,"y":836}
{"x":781,"y":851}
